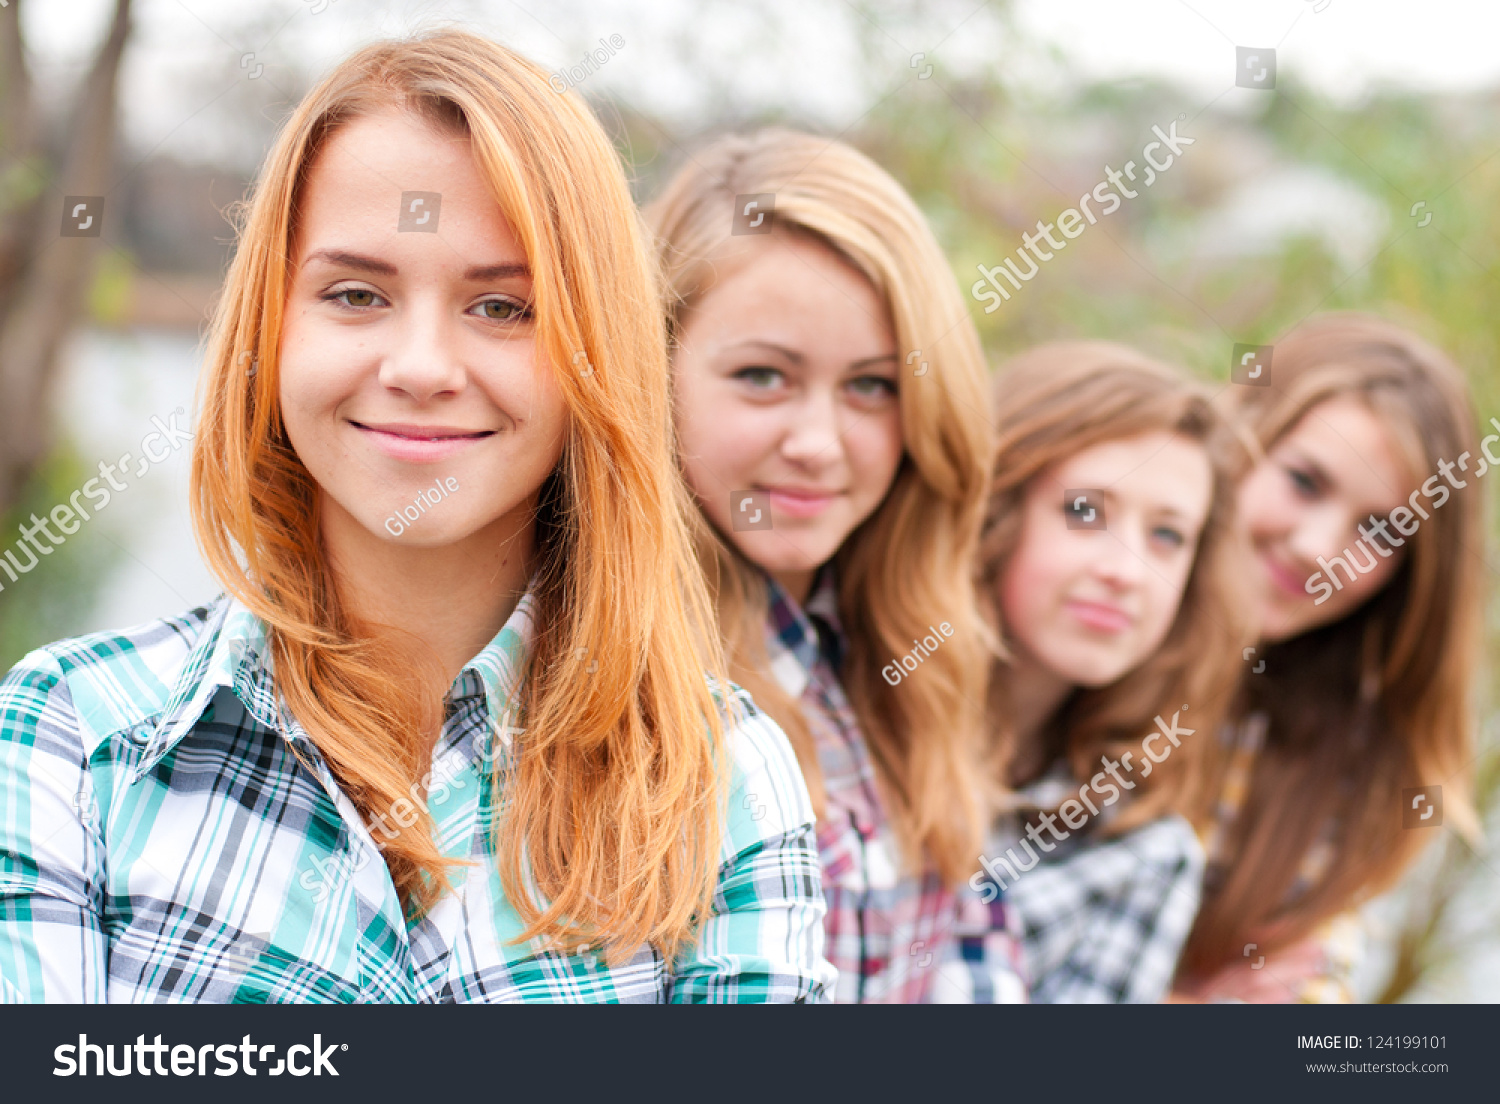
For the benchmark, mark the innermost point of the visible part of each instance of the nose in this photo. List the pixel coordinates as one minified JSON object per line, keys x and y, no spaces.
{"x":1120,"y":560}
{"x":813,"y":438}
{"x":422,"y":360}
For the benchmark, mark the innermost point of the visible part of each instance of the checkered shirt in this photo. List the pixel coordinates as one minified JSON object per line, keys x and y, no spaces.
{"x":169,"y":833}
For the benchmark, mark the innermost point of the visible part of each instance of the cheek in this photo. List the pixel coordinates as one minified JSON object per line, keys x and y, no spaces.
{"x":538,"y":397}
{"x":721,"y":453}
{"x":1360,"y":591}
{"x":1025,"y":592}
{"x":315,"y":372}
{"x":874,"y":447}
{"x":1263,"y":507}
{"x":1166,"y":600}
{"x":306,"y":400}
{"x":708,"y":487}
{"x":719,"y":431}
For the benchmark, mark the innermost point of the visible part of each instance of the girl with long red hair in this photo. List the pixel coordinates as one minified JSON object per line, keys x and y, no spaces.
{"x":487,"y":753}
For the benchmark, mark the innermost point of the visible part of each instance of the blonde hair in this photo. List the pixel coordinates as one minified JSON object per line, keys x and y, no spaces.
{"x":1051,"y":403}
{"x":907,"y":566}
{"x":1382,"y":698}
{"x":612,"y":810}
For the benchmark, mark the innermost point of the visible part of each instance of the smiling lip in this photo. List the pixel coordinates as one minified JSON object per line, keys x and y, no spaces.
{"x":1099,"y":615}
{"x":799,"y":502}
{"x":420,"y":443}
{"x":1285,"y":578}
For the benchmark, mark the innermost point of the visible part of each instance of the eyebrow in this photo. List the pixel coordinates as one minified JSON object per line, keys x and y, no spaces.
{"x":798,"y":359}
{"x":1320,"y":474}
{"x":1109,"y":496}
{"x":374,"y":265}
{"x":1106,"y":493}
{"x":790,"y":354}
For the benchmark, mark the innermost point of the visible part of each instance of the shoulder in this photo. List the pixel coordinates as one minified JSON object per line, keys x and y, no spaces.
{"x":101,"y":683}
{"x":765,"y":784}
{"x":1168,"y":841}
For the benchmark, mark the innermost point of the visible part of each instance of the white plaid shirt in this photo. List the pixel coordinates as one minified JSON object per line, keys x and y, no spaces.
{"x":1102,"y":920}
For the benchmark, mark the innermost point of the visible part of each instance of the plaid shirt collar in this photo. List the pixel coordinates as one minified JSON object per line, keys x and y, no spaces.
{"x":233,"y":653}
{"x":809,"y":631}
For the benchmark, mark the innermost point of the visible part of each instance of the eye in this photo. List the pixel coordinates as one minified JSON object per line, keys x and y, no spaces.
{"x":1303,"y":481}
{"x":354,"y":297}
{"x":760,"y":377}
{"x":1169,"y":535}
{"x":503,"y":310}
{"x":872,"y":387}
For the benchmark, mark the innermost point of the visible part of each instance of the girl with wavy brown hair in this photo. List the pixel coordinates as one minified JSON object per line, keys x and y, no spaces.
{"x":1354,"y":725}
{"x":460,"y":730}
{"x":1109,"y":563}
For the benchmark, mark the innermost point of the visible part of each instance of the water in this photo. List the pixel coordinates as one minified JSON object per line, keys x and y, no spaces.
{"x":111,"y":387}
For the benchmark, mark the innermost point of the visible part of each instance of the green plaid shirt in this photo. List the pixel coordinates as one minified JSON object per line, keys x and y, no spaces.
{"x":169,"y":832}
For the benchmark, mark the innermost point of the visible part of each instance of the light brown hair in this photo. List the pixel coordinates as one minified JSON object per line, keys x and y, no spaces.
{"x":907,"y":566}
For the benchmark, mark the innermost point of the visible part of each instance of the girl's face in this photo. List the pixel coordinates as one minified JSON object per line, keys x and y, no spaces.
{"x":1333,"y":470}
{"x":409,"y":384}
{"x":1089,"y":605}
{"x":787,"y":410}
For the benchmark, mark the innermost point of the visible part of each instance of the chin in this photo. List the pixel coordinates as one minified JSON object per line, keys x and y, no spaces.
{"x":1096,"y":672}
{"x":774,"y":556}
{"x":1282,"y":622}
{"x":1090,"y":672}
{"x":1100,"y":677}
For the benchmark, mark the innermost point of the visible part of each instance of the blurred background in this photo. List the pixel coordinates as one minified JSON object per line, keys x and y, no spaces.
{"x":1359,"y":171}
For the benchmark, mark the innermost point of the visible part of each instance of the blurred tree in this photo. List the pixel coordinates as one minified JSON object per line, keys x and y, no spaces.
{"x":44,"y":275}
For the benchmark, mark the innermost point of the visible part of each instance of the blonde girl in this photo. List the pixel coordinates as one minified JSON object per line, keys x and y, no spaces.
{"x":1108,"y":560}
{"x":469,"y":757}
{"x":1365,"y":514}
{"x":830,"y":408}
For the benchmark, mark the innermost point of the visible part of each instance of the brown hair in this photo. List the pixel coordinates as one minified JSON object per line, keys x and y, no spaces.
{"x":1376,"y":701}
{"x":614,"y":803}
{"x":907,"y":566}
{"x":1052,"y":402}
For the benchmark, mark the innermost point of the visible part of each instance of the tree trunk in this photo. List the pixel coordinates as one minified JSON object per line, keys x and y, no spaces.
{"x":43,"y":274}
